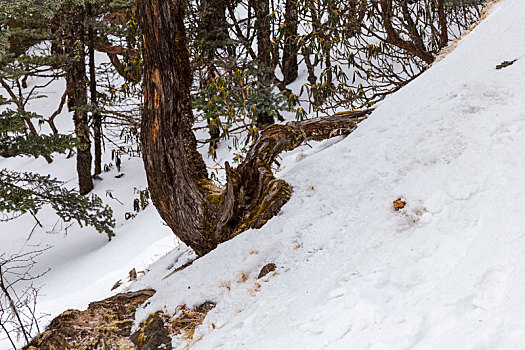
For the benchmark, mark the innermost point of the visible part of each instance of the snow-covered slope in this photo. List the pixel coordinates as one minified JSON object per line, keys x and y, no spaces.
{"x":353,"y":273}
{"x":82,"y":264}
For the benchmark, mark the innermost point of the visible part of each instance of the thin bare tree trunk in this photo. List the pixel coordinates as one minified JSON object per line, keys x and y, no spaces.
{"x":13,"y":307}
{"x":21,"y":108}
{"x":442,"y":17}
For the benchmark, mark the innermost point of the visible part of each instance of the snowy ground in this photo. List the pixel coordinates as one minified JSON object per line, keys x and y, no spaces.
{"x":83,"y":265}
{"x":353,"y":273}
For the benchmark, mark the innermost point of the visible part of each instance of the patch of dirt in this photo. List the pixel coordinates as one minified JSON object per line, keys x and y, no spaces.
{"x":185,"y":321}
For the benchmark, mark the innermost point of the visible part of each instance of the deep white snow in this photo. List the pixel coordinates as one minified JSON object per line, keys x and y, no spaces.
{"x":353,"y":273}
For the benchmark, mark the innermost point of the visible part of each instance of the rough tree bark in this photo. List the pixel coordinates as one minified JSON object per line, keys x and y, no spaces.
{"x":290,"y":64}
{"x":97,"y":118}
{"x":212,"y":35}
{"x":77,"y":90}
{"x":264,"y":57}
{"x":201,"y":214}
{"x":443,"y":25}
{"x":212,"y":29}
{"x":262,"y":26}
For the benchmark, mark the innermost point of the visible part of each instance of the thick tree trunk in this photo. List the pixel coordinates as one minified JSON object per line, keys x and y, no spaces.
{"x":212,"y":35}
{"x":175,"y":170}
{"x":77,"y":90}
{"x":97,"y":118}
{"x":199,"y":213}
{"x":290,"y":64}
{"x":264,"y":57}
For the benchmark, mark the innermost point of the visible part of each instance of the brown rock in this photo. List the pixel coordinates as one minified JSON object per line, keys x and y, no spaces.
{"x":104,"y":325}
{"x":266,"y":270}
{"x":152,"y":334}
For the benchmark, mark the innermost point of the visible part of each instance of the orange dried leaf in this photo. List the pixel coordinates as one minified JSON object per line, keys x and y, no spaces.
{"x":399,"y":204}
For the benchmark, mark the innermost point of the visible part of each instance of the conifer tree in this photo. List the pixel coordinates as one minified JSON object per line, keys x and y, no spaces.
{"x":29,"y":51}
{"x":22,"y":193}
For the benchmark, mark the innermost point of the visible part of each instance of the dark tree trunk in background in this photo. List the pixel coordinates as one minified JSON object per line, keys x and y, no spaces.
{"x":264,"y":58}
{"x":443,"y":24}
{"x":290,"y":64}
{"x":262,"y":26}
{"x":97,"y":118}
{"x":201,"y":214}
{"x":212,"y":35}
{"x":312,"y":78}
{"x":212,"y":29}
{"x":77,"y":90}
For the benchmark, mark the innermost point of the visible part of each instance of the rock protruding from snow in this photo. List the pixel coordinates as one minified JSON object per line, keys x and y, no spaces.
{"x":106,"y":322}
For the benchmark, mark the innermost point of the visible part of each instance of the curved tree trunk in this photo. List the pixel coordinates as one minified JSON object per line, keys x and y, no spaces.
{"x":175,"y":170}
{"x":199,"y":213}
